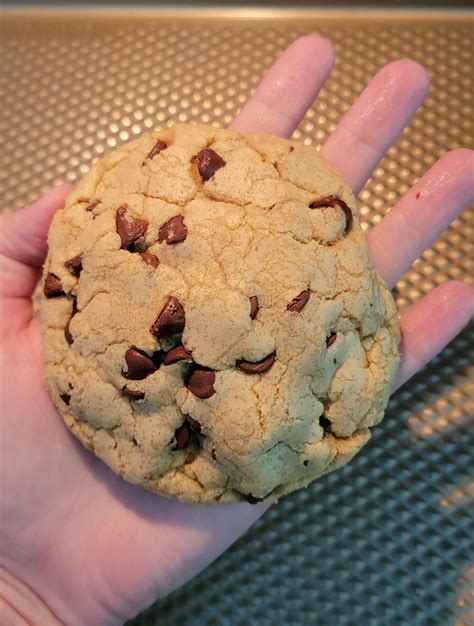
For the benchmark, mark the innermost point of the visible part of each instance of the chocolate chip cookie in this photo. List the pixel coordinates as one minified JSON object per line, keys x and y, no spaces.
{"x":213,"y":327}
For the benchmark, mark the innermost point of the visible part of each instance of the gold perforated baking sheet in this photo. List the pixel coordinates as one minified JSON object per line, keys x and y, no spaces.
{"x":387,"y":540}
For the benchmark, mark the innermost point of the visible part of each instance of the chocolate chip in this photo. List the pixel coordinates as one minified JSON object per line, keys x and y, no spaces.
{"x":53,"y":286}
{"x":179,"y":353}
{"x":139,"y":364}
{"x":305,"y":462}
{"x":92,"y":205}
{"x":208,"y":162}
{"x":251,"y":499}
{"x":132,"y":394}
{"x":201,"y":382}
{"x":67,"y":332}
{"x":74,"y":265}
{"x":157,"y":148}
{"x":194,"y":425}
{"x":299,"y":302}
{"x":291,"y":148}
{"x":171,"y":320}
{"x":258,"y":367}
{"x":173,"y":231}
{"x":150,"y":259}
{"x":325,"y":423}
{"x":254,"y":307}
{"x":66,"y":398}
{"x":331,"y":339}
{"x":182,"y":436}
{"x":129,"y":230}
{"x":324,"y":203}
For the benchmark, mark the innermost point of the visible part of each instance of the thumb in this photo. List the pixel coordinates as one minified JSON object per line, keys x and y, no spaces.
{"x":23,"y":243}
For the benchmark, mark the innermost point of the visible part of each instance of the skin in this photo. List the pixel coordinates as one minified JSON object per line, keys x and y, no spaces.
{"x":71,"y":529}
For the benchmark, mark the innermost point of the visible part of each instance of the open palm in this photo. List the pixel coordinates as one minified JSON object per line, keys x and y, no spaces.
{"x":78,"y":545}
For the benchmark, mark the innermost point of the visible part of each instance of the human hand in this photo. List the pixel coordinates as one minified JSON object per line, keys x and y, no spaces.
{"x":78,"y":544}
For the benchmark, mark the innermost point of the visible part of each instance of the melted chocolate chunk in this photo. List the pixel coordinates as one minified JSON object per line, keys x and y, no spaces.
{"x":254,"y":307}
{"x":129,"y":230}
{"x":157,"y":148}
{"x":74,"y":265}
{"x":139,"y":364}
{"x":259,"y":367}
{"x":53,"y":286}
{"x":193,"y":424}
{"x":201,"y":382}
{"x":208,"y":162}
{"x":67,"y":331}
{"x":173,"y":231}
{"x":331,"y":339}
{"x":179,"y":353}
{"x":92,"y":205}
{"x":182,"y":436}
{"x":171,"y":320}
{"x":149,"y":259}
{"x":299,"y":302}
{"x":132,"y":394}
{"x":323,"y":203}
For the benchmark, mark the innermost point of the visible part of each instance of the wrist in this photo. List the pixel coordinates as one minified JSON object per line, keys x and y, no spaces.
{"x":20,"y":605}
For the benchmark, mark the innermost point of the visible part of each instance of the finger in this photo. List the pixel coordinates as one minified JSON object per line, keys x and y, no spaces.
{"x":418,"y":219}
{"x":23,"y":233}
{"x":288,"y":89}
{"x":429,"y":325}
{"x":375,"y":120}
{"x":23,"y":243}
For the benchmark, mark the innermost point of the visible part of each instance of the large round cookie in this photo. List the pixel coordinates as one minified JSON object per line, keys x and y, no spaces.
{"x":213,"y":327}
